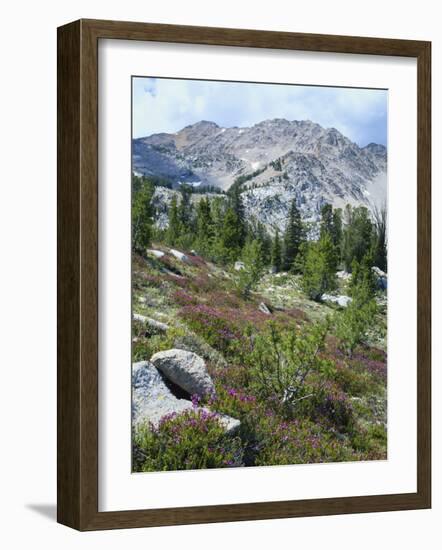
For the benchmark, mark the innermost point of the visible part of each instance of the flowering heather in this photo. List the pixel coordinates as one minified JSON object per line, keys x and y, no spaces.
{"x":219,"y":328}
{"x":191,"y":440}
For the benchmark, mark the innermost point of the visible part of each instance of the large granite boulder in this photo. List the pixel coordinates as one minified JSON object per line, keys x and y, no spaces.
{"x":185,"y":369}
{"x":152,"y":400}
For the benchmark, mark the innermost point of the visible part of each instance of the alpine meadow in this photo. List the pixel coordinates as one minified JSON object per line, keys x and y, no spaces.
{"x":259,"y":274}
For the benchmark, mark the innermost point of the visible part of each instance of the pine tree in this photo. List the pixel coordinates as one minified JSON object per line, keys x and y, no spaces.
{"x":358,"y":233}
{"x":380,"y":245}
{"x":276,"y":253}
{"x":293,"y":237}
{"x":185,"y":209}
{"x":248,"y":277}
{"x":204,"y":226}
{"x":228,"y":244}
{"x":319,"y":270}
{"x":237,"y":206}
{"x":265,"y":242}
{"x":174,"y":227}
{"x":142,"y":218}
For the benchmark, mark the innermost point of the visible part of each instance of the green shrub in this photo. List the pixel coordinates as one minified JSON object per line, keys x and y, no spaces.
{"x":300,"y":442}
{"x":247,"y":278}
{"x":353,"y":323}
{"x":192,"y":440}
{"x":319,"y":268}
{"x":281,"y":360}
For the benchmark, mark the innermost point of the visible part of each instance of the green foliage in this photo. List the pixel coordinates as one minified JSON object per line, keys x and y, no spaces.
{"x":352,"y":324}
{"x":204,"y":227}
{"x":228,"y":244}
{"x":248,"y":277}
{"x":192,"y":440}
{"x":282,"y":359}
{"x":362,"y":277}
{"x":276,"y":260}
{"x":174,"y":228}
{"x":237,"y":205}
{"x":319,"y":268}
{"x":235,"y":187}
{"x":293,"y":237}
{"x":142,"y":218}
{"x":331,"y":224}
{"x":357,"y":235}
{"x":277,"y":164}
{"x":380,"y":245}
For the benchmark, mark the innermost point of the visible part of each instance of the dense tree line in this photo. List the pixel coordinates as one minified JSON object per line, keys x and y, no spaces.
{"x":217,"y":228}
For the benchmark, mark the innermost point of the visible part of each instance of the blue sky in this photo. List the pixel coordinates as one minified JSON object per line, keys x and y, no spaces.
{"x":167,"y":105}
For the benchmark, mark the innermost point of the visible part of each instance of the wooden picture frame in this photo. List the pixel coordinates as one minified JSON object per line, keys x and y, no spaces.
{"x":78,"y":274}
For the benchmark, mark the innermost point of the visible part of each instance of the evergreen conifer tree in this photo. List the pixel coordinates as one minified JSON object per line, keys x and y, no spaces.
{"x":276,"y":253}
{"x":174,"y":227}
{"x":293,"y":237}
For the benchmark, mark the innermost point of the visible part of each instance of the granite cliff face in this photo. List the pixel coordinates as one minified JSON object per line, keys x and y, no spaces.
{"x":276,"y":160}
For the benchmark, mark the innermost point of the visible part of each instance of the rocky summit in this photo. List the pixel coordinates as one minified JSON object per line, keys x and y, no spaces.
{"x":273,"y":162}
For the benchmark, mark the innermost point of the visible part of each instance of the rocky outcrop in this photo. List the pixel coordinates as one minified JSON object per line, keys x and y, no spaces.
{"x":185,"y":369}
{"x":239,"y":266}
{"x":152,"y":400}
{"x":157,"y":326}
{"x":279,"y":161}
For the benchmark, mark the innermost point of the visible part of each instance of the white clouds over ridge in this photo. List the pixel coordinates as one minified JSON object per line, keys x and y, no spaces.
{"x":167,"y":105}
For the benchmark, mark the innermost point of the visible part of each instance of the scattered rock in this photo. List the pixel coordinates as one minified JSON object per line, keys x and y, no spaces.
{"x":229,"y":423}
{"x":264,"y":308}
{"x":152,"y":323}
{"x":152,"y":399}
{"x":155,"y":253}
{"x":341,"y":300}
{"x":185,"y":369}
{"x":180,"y":256}
{"x":344,"y":275}
{"x":239,"y":266}
{"x":381,"y":277}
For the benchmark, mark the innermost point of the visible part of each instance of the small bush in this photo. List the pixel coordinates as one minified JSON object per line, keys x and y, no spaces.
{"x":192,"y":440}
{"x":353,"y":323}
{"x":282,"y":359}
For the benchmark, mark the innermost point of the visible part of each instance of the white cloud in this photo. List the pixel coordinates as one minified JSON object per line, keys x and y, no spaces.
{"x":167,"y":105}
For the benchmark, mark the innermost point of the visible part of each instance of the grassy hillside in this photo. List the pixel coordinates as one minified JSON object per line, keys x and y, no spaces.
{"x":300,"y":394}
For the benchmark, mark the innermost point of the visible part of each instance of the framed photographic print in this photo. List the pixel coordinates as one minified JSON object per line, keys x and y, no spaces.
{"x":243,"y":275}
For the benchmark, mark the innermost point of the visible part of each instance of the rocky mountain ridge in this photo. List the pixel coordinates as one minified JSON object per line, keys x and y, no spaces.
{"x":274,"y":162}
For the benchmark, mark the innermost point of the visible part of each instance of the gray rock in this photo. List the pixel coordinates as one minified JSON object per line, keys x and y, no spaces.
{"x":152,"y":400}
{"x":186,"y":369}
{"x":381,"y":278}
{"x":264,"y":308}
{"x":180,"y":256}
{"x":239,"y":266}
{"x":341,"y":300}
{"x":231,"y":425}
{"x":152,"y":323}
{"x":344,"y":275}
{"x":155,"y":253}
